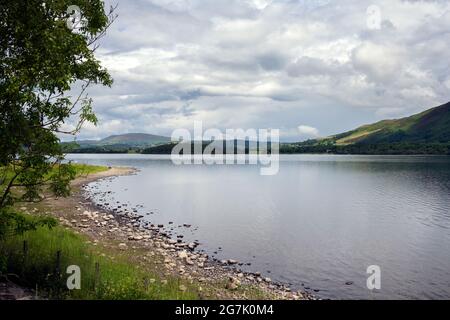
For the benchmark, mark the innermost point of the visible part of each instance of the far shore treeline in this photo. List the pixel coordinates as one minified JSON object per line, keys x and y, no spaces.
{"x":425,"y":133}
{"x":287,"y":148}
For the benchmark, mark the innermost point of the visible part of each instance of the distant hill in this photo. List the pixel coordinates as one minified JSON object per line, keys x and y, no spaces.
{"x":129,"y":139}
{"x":430,"y":126}
{"x":134,"y":139}
{"x":427,"y":132}
{"x":122,"y":143}
{"x":228,"y":146}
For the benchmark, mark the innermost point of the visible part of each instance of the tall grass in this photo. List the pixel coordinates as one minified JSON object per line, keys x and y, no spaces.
{"x":85,"y":169}
{"x":39,"y":259}
{"x":37,"y":265}
{"x":7,"y":172}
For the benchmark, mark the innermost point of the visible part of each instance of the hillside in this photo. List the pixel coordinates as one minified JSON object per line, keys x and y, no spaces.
{"x":135,"y":139}
{"x":130,"y":142}
{"x":427,"y":132}
{"x":430,"y":126}
{"x":129,"y":139}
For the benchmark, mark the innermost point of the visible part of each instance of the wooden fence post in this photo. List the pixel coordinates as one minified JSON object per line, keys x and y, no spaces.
{"x":58,"y":264}
{"x":58,"y":273}
{"x":25,"y":248}
{"x":25,"y":254}
{"x":97,"y":275}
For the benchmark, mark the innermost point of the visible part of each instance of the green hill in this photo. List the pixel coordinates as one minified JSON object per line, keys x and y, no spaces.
{"x":430,"y":126}
{"x":124,"y":143}
{"x":134,"y":139}
{"x":427,"y":132}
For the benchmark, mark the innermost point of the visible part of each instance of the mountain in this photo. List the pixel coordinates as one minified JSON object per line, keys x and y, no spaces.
{"x":129,"y":139}
{"x":134,"y":139}
{"x":123,"y":143}
{"x":430,"y":126}
{"x":427,"y":132}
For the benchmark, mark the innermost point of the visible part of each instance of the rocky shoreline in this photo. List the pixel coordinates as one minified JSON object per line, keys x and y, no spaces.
{"x":126,"y":227}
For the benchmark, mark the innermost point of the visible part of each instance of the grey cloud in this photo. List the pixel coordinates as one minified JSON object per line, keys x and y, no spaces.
{"x":271,"y":61}
{"x":308,"y":66}
{"x":263,"y":63}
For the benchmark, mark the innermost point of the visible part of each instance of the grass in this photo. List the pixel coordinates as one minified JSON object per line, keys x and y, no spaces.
{"x":6,"y":173}
{"x":31,"y":259}
{"x":84,"y":169}
{"x":354,"y":137}
{"x":81,"y":170}
{"x":35,"y":264}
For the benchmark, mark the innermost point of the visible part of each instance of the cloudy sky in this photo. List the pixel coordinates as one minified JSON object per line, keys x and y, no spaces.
{"x":307,"y":67}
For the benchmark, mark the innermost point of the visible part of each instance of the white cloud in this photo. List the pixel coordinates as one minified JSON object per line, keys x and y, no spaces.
{"x":308,"y":131}
{"x":378,"y":62}
{"x":259,"y":4}
{"x":270,"y":63}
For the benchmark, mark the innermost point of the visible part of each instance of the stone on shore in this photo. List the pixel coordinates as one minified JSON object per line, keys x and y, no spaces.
{"x":183,"y":254}
{"x":233,"y":284}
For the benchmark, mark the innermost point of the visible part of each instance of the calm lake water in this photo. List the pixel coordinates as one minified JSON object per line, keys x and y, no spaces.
{"x":317,"y":224}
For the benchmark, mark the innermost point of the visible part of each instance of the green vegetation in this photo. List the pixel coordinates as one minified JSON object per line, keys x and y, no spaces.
{"x":40,"y":259}
{"x":41,"y":60}
{"x":230,"y":146}
{"x":79,"y":169}
{"x":381,"y":148}
{"x":76,"y":148}
{"x":125,"y":143}
{"x":430,"y":126}
{"x":12,"y":223}
{"x":35,"y":252}
{"x":162,"y":149}
{"x":85,"y":169}
{"x":73,"y":169}
{"x":134,"y":139}
{"x":424,"y":133}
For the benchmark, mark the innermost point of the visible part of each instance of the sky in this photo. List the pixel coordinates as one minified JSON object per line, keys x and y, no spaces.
{"x":310,"y":68}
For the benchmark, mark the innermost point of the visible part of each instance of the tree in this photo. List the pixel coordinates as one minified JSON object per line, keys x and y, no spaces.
{"x":42,"y":61}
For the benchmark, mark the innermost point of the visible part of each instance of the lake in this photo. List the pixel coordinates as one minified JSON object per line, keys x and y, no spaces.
{"x":316,"y":225}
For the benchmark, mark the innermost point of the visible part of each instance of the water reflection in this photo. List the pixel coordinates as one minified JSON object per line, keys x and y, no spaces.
{"x":319,"y":223}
